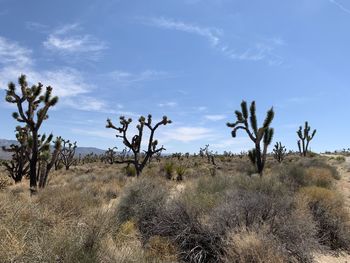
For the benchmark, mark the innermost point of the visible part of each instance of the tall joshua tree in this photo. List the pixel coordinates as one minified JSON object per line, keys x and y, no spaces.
{"x":305,"y":138}
{"x":32,"y":108}
{"x":250,"y":125}
{"x":139,"y":159}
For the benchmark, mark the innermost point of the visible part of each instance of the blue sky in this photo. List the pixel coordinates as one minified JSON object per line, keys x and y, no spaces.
{"x":192,"y":60}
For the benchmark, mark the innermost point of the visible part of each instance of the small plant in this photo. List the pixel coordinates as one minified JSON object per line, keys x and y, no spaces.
{"x":264,"y":133}
{"x":180,"y":171}
{"x":130,"y":171}
{"x":305,"y":138}
{"x":169,"y":170}
{"x":279,"y":152}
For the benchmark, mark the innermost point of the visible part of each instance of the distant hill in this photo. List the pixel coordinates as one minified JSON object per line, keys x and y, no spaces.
{"x":80,"y":150}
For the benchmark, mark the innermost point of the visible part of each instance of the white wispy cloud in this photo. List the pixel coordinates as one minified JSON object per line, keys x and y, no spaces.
{"x":12,"y":53}
{"x":261,"y":50}
{"x":38,"y":27}
{"x":67,"y":40}
{"x":211,"y":34}
{"x":215,"y":117}
{"x":342,"y":7}
{"x":201,"y":108}
{"x":168,"y":104}
{"x":130,"y":77}
{"x":186,"y":134}
{"x":68,"y":83}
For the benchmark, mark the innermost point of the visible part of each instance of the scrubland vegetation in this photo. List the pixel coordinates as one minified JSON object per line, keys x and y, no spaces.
{"x":96,"y":213}
{"x":143,"y":206}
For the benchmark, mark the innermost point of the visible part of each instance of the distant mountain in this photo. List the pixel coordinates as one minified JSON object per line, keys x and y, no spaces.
{"x":86,"y":150}
{"x":80,"y":150}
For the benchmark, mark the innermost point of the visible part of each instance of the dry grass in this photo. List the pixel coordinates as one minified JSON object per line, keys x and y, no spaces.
{"x":95,"y":213}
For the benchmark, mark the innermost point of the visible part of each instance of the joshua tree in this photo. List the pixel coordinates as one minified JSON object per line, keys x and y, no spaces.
{"x":139,"y":160}
{"x":264,"y":133}
{"x":279,"y":152}
{"x":29,"y":113}
{"x":18,"y":166}
{"x":305,"y":138}
{"x":203,"y":151}
{"x":47,"y":158}
{"x":67,"y":153}
{"x":110,"y":155}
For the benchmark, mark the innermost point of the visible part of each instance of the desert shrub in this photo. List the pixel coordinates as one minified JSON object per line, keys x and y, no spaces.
{"x":293,"y":230}
{"x":319,"y":177}
{"x":195,"y":241}
{"x":4,"y":182}
{"x":251,"y":247}
{"x":111,"y":194}
{"x":244,"y":166}
{"x":268,"y":185}
{"x":206,"y":192}
{"x":63,"y":201}
{"x":339,"y":158}
{"x":130,"y":171}
{"x":330,"y":215}
{"x":180,"y":171}
{"x":169,"y":169}
{"x":161,"y":248}
{"x":308,"y":172}
{"x":141,"y":199}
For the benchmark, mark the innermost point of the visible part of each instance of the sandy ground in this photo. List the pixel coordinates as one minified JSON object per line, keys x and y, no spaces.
{"x":344,"y":187}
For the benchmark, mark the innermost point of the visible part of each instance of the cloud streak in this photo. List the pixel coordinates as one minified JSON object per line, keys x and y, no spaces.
{"x":66,"y":40}
{"x":211,"y":34}
{"x":262,"y":50}
{"x":346,"y":10}
{"x":217,"y":117}
{"x":125,"y":77}
{"x":67,"y":82}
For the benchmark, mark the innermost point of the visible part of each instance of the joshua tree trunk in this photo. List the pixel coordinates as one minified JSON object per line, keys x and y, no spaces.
{"x":33,"y":163}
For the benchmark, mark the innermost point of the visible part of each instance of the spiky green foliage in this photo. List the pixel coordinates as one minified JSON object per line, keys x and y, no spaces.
{"x":48,"y":158}
{"x":18,"y":166}
{"x":279,"y":152}
{"x":33,"y":105}
{"x":247,"y":121}
{"x":139,"y":159}
{"x":305,"y":138}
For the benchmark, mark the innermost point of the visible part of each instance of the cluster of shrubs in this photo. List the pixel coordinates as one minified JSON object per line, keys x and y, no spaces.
{"x":283,"y":217}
